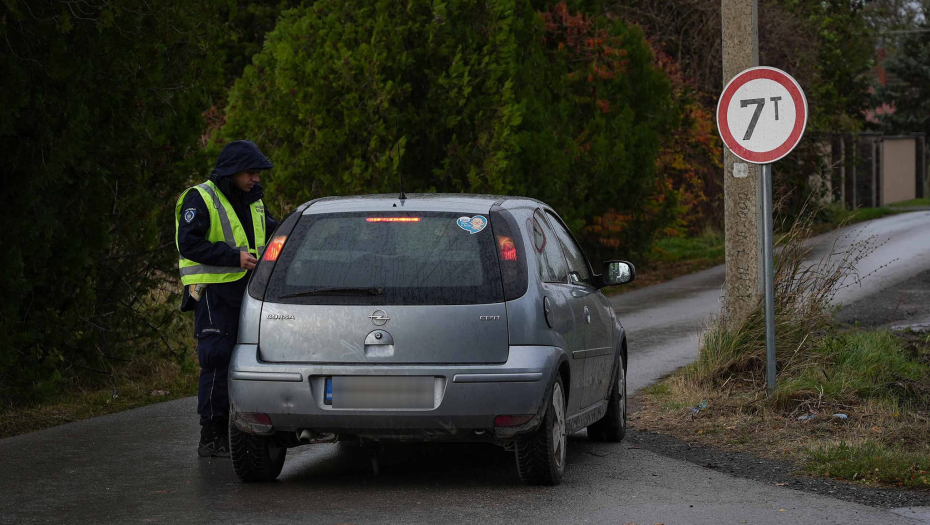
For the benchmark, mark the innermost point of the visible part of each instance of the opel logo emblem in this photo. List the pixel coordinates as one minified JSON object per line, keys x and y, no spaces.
{"x":379,"y":318}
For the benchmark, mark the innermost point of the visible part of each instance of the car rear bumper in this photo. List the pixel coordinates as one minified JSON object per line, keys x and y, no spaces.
{"x":468,"y":397}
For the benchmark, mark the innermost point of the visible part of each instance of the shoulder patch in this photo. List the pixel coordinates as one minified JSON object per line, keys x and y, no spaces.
{"x":189,"y":214}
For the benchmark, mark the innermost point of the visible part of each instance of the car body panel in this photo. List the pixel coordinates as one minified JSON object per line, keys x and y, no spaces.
{"x":474,"y":333}
{"x":599,"y":347}
{"x":600,"y":342}
{"x":293,"y":396}
{"x":503,"y":367}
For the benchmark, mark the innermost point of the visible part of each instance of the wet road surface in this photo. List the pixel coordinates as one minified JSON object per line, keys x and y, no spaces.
{"x":141,"y":466}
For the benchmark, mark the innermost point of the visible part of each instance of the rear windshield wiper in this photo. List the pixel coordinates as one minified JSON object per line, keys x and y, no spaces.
{"x":335,"y":291}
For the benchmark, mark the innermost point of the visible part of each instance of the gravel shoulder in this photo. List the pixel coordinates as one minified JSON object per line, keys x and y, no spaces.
{"x":906,"y":304}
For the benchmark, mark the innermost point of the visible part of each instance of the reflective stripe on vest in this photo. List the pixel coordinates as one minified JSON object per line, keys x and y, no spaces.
{"x":224,"y":227}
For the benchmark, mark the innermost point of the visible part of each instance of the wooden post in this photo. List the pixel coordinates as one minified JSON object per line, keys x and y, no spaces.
{"x":742,"y":187}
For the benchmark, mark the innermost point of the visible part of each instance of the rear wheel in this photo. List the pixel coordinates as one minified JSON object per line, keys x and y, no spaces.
{"x":612,"y":427}
{"x":254,"y":458}
{"x":541,"y":454}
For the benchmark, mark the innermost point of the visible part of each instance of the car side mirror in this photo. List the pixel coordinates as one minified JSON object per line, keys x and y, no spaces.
{"x":618,"y":272}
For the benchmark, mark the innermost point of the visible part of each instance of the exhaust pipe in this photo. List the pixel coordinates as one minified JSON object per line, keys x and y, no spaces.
{"x":308,"y":436}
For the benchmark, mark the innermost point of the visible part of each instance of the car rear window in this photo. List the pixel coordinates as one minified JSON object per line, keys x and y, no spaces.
{"x":395,"y":258}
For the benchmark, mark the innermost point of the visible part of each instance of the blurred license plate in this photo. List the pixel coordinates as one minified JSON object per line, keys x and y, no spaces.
{"x":380,"y":392}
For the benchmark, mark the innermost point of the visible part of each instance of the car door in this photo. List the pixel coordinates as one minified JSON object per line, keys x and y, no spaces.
{"x":596,"y":316}
{"x":564,"y":311}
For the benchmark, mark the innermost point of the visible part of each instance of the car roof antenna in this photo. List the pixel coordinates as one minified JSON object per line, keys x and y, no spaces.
{"x":403,"y":196}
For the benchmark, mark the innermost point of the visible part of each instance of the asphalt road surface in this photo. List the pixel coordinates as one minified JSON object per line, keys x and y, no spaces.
{"x":141,"y":466}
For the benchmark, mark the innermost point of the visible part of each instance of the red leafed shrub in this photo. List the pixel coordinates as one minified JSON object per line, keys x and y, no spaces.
{"x":691,"y":156}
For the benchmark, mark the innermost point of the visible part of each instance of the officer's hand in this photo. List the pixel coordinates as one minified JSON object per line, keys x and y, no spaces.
{"x":247,"y":261}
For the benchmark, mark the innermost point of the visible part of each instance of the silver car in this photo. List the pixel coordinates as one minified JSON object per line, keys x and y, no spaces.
{"x":431,"y":317}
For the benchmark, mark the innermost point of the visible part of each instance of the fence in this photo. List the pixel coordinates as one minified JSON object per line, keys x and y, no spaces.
{"x":871,"y":169}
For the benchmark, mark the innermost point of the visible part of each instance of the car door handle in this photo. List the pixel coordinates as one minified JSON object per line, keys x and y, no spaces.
{"x":587,"y":315}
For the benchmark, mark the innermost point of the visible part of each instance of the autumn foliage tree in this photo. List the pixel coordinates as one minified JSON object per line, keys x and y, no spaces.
{"x":466,"y":96}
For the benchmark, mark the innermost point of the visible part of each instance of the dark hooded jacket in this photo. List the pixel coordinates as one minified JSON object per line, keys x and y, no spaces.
{"x":237,"y":156}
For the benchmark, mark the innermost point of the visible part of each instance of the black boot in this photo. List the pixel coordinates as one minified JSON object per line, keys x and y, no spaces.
{"x":214,"y":440}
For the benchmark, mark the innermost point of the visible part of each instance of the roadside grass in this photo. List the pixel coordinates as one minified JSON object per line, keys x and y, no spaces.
{"x":876,"y":379}
{"x":835,"y":215}
{"x":913,"y":203}
{"x":849,"y":404}
{"x":143,"y":381}
{"x":705,"y":247}
{"x":871,"y":461}
{"x":165,"y":370}
{"x":673,"y":257}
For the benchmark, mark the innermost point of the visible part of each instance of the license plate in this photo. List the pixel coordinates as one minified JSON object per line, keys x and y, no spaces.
{"x":397,"y":392}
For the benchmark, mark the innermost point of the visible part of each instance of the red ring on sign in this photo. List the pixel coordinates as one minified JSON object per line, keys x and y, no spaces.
{"x":800,"y":104}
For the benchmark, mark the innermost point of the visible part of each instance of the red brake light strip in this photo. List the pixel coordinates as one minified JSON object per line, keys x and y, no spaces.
{"x":393,"y":219}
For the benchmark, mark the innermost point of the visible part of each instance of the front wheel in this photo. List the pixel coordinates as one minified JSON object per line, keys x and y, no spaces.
{"x":612,"y":427}
{"x":254,"y":458}
{"x":541,"y":454}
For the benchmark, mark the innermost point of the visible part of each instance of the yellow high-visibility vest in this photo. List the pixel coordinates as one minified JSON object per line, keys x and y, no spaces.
{"x":226,"y":227}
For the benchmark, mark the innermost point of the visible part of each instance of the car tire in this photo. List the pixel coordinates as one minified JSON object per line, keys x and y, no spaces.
{"x":255,"y":458}
{"x":612,"y":427}
{"x":541,"y":454}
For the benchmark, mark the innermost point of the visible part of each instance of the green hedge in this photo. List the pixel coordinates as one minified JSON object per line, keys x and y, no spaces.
{"x":464,"y":96}
{"x":101,"y":103}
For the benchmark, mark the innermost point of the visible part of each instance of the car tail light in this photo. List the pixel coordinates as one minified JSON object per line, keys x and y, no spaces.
{"x":510,"y":252}
{"x":512,"y":421}
{"x":273,"y":250}
{"x":392,"y":219}
{"x":255,"y":417}
{"x":507,"y":248}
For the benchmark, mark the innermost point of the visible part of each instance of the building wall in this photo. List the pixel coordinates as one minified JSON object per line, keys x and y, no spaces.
{"x":899,"y":167}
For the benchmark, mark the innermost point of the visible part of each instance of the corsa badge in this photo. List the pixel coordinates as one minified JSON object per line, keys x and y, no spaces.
{"x":283,"y":317}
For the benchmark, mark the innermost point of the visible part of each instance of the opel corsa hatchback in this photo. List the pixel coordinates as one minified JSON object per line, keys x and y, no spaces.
{"x":434,"y":317}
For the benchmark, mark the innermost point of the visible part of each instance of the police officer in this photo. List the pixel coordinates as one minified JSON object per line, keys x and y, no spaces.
{"x":222,"y":227}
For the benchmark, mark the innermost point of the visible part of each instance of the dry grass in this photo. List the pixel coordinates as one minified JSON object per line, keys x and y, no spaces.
{"x":879,"y":433}
{"x":143,"y":381}
{"x":878,"y":380}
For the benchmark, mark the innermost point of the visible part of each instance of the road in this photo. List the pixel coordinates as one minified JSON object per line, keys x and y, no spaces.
{"x":140,"y":466}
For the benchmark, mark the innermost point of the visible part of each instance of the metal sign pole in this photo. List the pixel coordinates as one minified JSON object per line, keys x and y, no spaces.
{"x":769,"y":256}
{"x":767,"y":135}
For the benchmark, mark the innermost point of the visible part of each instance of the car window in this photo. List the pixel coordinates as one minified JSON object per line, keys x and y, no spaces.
{"x":577,"y":264}
{"x":394,"y":258}
{"x":550,"y":262}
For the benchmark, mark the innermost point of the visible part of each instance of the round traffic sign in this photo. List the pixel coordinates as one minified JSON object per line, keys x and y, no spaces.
{"x":761,"y":114}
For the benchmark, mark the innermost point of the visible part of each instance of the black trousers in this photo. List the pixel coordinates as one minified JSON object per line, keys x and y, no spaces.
{"x":216,"y":327}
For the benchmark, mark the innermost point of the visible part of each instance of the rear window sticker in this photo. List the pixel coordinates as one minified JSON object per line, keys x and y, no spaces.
{"x":472,"y":224}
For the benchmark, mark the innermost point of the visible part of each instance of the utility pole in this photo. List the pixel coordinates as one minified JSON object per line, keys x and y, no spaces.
{"x":742,"y":186}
